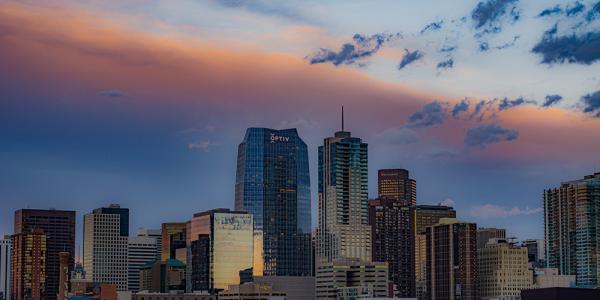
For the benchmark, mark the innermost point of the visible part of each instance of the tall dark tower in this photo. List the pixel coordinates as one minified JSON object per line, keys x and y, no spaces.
{"x":273,"y":184}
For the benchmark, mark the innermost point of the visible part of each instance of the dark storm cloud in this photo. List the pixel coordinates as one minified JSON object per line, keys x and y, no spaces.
{"x":581,"y":49}
{"x":552,"y":100}
{"x":485,"y":134}
{"x":433,"y":26}
{"x":409,"y":58}
{"x":592,"y":103}
{"x":360,"y":47}
{"x":432,"y":113}
{"x":460,"y":107}
{"x":114,"y":93}
{"x":486,"y":13}
{"x":447,"y":64}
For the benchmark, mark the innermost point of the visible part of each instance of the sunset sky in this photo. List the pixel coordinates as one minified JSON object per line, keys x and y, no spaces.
{"x":143,"y":103}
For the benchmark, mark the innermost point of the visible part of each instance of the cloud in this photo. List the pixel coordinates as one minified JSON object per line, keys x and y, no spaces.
{"x":508,"y":45}
{"x":204,"y":145}
{"x":581,"y":49}
{"x":448,"y":202}
{"x":447,"y":64}
{"x":112,"y":93}
{"x":591,"y":102}
{"x":460,"y":107}
{"x":483,"y":135}
{"x":552,"y":100}
{"x":360,"y":47}
{"x":399,"y":135}
{"x":432,"y":113}
{"x":594,"y":12}
{"x":433,"y":26}
{"x":487,"y":13}
{"x":575,"y":9}
{"x":493,"y":211}
{"x":268,"y":8}
{"x":506,"y":103}
{"x":409,"y":58}
{"x":551,"y":11}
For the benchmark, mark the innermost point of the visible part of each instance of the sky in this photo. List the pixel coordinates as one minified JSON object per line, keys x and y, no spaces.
{"x":143,"y":103}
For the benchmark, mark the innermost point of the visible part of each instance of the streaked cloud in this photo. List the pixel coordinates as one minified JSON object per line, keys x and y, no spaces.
{"x":409,"y":58}
{"x":446,"y":64}
{"x":360,"y":48}
{"x":203,"y":145}
{"x":398,"y":136}
{"x":483,"y":135}
{"x":494,"y":211}
{"x":114,"y":93}
{"x":552,"y":100}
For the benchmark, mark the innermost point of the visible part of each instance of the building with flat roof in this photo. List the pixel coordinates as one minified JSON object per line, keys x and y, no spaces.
{"x":140,"y":251}
{"x":352,"y":278}
{"x":503,"y":270}
{"x":251,"y":291}
{"x":396,"y":184}
{"x":29,"y":265}
{"x":549,"y":277}
{"x":485,"y":234}
{"x":295,"y":287}
{"x":560,"y":294}
{"x":5,"y":268}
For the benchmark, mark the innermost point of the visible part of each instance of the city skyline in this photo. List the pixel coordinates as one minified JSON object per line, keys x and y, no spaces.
{"x":145,"y":104}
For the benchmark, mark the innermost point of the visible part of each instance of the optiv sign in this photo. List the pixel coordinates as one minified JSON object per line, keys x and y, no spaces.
{"x":277,"y":138}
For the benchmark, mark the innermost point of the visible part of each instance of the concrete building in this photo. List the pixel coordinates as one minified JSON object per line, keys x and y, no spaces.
{"x":105,"y":234}
{"x":295,"y":287}
{"x":140,"y":251}
{"x":174,"y":237}
{"x":349,"y":278}
{"x":548,"y":278}
{"x":251,"y":291}
{"x":168,"y":296}
{"x":485,"y":234}
{"x":503,"y":271}
{"x":393,"y":242}
{"x":5,"y":269}
{"x":421,"y":217}
{"x":59,"y":228}
{"x":452,"y":260}
{"x":571,"y":231}
{"x":163,"y":277}
{"x":29,"y":266}
{"x":152,"y":233}
{"x":536,"y":253}
{"x":396,"y":184}
{"x":343,"y":225}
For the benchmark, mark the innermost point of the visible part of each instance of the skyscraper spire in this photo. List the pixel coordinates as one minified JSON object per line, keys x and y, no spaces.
{"x":342,"y":118}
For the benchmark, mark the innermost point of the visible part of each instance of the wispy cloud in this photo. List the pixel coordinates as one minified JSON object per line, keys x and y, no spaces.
{"x":203,"y":145}
{"x":448,"y":202}
{"x":433,"y":26}
{"x":409,"y":58}
{"x":399,"y":136}
{"x":494,"y":211}
{"x":360,"y":47}
{"x":485,"y":134}
{"x":592,"y":103}
{"x":432,"y":113}
{"x":447,"y":64}
{"x":552,"y":100}
{"x":114,"y":93}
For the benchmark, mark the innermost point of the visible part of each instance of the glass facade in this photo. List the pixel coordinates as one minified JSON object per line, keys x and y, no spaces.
{"x":273,"y":184}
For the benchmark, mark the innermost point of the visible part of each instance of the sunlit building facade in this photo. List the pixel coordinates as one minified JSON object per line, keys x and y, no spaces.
{"x":396,"y":184}
{"x":503,"y":270}
{"x":174,"y":237}
{"x":273,"y":184}
{"x":29,"y":258}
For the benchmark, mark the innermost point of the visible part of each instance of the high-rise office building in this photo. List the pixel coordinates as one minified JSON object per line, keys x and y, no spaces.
{"x":485,"y":234}
{"x":344,"y":230}
{"x":393,"y":242}
{"x":571,"y":230}
{"x":105,"y":234}
{"x":421,"y":217}
{"x":352,"y":279}
{"x":153,"y":233}
{"x":396,"y":184}
{"x":140,"y":251}
{"x":226,"y":238}
{"x":29,"y":259}
{"x":5,"y":269}
{"x":452,"y":260}
{"x":174,"y":236}
{"x":536,"y":253}
{"x":59,"y":228}
{"x":273,"y":184}
{"x":503,"y":270}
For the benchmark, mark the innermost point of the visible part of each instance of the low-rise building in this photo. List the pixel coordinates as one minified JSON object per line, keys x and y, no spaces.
{"x":171,"y":296}
{"x":560,"y":294}
{"x":295,"y":287}
{"x":549,"y":278}
{"x":345,"y":278}
{"x":251,"y":291}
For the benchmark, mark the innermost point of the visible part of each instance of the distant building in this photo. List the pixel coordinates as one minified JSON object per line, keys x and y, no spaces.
{"x":59,"y":228}
{"x":560,"y":294}
{"x":452,"y":260}
{"x":421,"y":217}
{"x":349,"y":278}
{"x":228,"y":238}
{"x":295,"y":287}
{"x":174,"y":237}
{"x":251,"y":291}
{"x":5,"y":269}
{"x":485,"y":234}
{"x":397,"y":185}
{"x":503,"y":271}
{"x":273,"y":184}
{"x":152,"y":233}
{"x":140,"y":251}
{"x":163,"y":277}
{"x":572,"y":233}
{"x":343,"y":230}
{"x":536,"y":253}
{"x":548,"y":278}
{"x":29,"y":265}
{"x":105,"y":235}
{"x":169,"y":296}
{"x":393,"y":242}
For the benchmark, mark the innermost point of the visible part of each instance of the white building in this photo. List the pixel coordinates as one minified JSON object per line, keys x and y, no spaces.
{"x":5,"y":253}
{"x":549,"y":278}
{"x":105,"y":233}
{"x":152,"y":233}
{"x":140,"y":251}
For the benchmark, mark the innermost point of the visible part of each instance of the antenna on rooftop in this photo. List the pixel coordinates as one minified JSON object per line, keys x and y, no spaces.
{"x":342,"y":118}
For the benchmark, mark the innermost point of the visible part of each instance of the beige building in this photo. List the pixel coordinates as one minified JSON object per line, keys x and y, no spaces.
{"x":169,"y":296}
{"x":344,"y":277}
{"x":295,"y":287}
{"x":251,"y":291}
{"x":503,"y":270}
{"x":549,"y":277}
{"x":485,"y":234}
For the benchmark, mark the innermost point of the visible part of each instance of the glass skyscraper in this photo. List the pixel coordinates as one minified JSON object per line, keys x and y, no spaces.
{"x":273,"y":184}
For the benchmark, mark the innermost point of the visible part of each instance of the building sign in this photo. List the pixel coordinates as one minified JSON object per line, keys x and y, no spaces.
{"x":277,"y":138}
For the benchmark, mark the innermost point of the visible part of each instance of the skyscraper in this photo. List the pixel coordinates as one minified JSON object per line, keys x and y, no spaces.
{"x":5,"y":269}
{"x":421,"y":217}
{"x":140,"y":251}
{"x":396,"y":184}
{"x":224,"y":237}
{"x":273,"y":184}
{"x":485,"y":234}
{"x":393,"y":242}
{"x":105,"y":233}
{"x":572,"y":232}
{"x":174,"y":236}
{"x":452,"y":260}
{"x":58,"y":226}
{"x":29,"y":259}
{"x":344,"y":230}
